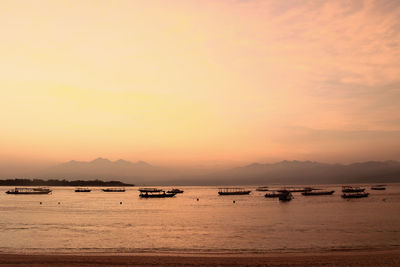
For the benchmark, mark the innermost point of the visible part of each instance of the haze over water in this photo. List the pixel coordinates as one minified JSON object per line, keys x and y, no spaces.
{"x":97,"y":222}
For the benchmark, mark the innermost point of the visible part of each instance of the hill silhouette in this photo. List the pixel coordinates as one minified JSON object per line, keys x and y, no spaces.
{"x":309,"y":172}
{"x":102,"y":168}
{"x":283,"y":172}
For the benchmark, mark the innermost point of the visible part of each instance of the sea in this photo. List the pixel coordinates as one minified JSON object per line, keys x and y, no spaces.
{"x":197,"y":221}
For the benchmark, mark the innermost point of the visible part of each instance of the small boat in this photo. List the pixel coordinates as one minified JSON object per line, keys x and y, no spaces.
{"x":378,"y":187}
{"x":317,"y":193}
{"x":229,"y":191}
{"x":113,"y":190}
{"x":352,"y":189}
{"x":262,"y":188}
{"x":272,"y":194}
{"x":29,"y":191}
{"x":82,"y":190}
{"x":294,"y":190}
{"x":355,"y":195}
{"x":285,"y":196}
{"x":154,"y":193}
{"x":175,"y":190}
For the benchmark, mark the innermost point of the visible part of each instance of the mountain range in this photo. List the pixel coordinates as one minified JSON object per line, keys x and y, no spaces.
{"x":102,"y":168}
{"x":284,"y":172}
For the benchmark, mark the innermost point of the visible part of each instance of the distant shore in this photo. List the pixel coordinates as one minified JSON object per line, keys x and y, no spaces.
{"x":328,"y":258}
{"x":55,"y":182}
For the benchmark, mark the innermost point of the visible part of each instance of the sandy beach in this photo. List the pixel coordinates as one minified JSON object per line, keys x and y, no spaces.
{"x":331,"y":258}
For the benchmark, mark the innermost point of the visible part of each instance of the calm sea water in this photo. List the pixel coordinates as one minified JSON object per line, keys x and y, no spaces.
{"x":96,"y":222}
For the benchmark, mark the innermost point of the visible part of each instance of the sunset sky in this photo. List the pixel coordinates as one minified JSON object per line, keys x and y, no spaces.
{"x":200,"y":82}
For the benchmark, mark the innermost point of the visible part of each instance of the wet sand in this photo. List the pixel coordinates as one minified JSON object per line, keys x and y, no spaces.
{"x":331,"y":258}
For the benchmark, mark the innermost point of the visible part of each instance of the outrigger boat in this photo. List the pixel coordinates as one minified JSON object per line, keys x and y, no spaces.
{"x":352,"y":189}
{"x":378,"y":187}
{"x":317,"y":193}
{"x":355,"y":195}
{"x":228,"y":191}
{"x":154,"y":193}
{"x":113,"y":190}
{"x":294,"y":190}
{"x":82,"y":190}
{"x":29,"y":191}
{"x":175,"y":190}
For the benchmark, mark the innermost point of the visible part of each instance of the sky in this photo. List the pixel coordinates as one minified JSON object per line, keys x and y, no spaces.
{"x":199,"y":82}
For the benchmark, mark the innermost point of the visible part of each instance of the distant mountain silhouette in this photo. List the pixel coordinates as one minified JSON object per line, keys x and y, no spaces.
{"x":284,"y":172}
{"x":104,"y":168}
{"x":308,"y":172}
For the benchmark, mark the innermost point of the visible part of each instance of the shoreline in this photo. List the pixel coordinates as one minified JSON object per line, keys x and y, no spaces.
{"x":369,"y":257}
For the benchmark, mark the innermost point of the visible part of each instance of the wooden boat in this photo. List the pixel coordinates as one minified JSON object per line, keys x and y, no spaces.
{"x":355,"y":195}
{"x":352,"y":189}
{"x":378,"y":187}
{"x":262,"y":188}
{"x":317,"y":193}
{"x":294,"y":190}
{"x":285,"y":196}
{"x":228,"y":191}
{"x":113,"y":190}
{"x":175,"y":190}
{"x":272,"y":194}
{"x":154,"y":193}
{"x":82,"y":190}
{"x":29,"y":191}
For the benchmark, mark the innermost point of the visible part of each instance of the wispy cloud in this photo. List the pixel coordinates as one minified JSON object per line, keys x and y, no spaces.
{"x":225,"y":80}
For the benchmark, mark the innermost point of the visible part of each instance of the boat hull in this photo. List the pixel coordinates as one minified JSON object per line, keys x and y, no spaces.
{"x":297,"y":190}
{"x":272,"y":195}
{"x":353,"y":190}
{"x":234,"y":193}
{"x":157,"y":196}
{"x":28,"y":193}
{"x":355,"y":195}
{"x":322,"y":193}
{"x":175,"y":191}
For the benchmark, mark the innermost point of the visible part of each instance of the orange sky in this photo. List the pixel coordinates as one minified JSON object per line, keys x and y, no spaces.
{"x":200,"y":82}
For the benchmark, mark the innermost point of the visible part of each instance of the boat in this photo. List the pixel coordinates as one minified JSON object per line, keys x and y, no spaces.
{"x":285,"y":196}
{"x":317,"y":193}
{"x":352,"y":189}
{"x":294,"y":190}
{"x":228,"y":191}
{"x":113,"y":190}
{"x":262,"y":188}
{"x":378,"y":187}
{"x":154,"y":193}
{"x":81,"y":190}
{"x":29,"y":191}
{"x":272,"y":194}
{"x":355,"y":195}
{"x":175,"y":190}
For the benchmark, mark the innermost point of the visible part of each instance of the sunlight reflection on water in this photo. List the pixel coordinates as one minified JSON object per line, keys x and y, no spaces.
{"x":96,"y":221}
